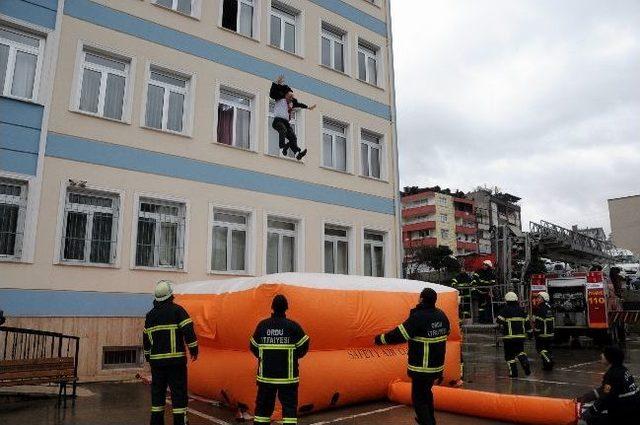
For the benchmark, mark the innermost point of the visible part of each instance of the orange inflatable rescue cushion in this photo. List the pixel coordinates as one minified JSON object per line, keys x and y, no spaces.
{"x":341,"y":314}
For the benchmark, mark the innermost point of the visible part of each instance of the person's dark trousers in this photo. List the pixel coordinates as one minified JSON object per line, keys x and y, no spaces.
{"x":266,"y":402}
{"x":285,"y":132}
{"x":485,"y":314}
{"x":591,"y":417}
{"x":543,"y":347}
{"x":175,"y":377}
{"x":514,"y":352}
{"x":422,"y":399}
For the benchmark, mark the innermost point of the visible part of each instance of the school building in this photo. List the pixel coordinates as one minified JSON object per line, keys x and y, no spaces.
{"x":135,"y":145}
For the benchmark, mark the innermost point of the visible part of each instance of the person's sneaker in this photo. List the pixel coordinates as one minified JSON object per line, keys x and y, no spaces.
{"x":285,"y":150}
{"x":301,"y":154}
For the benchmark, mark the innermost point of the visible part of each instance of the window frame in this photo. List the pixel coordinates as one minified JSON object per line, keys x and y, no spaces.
{"x":7,"y":84}
{"x":442,"y":234}
{"x":129,"y":74}
{"x":137,"y":199}
{"x":255,"y":21}
{"x":299,"y":123}
{"x":351,"y":252}
{"x":370,"y":145}
{"x":250,"y":228}
{"x":333,"y":37}
{"x":300,"y":266}
{"x":281,"y":10}
{"x":196,"y":8}
{"x":444,"y":218}
{"x":22,"y":202}
{"x":348,"y":147}
{"x":189,"y":101}
{"x":385,"y":247}
{"x":254,"y":98}
{"x":366,"y":47}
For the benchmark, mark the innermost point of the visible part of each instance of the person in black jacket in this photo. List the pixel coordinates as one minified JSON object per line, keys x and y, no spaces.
{"x":543,"y":330}
{"x":167,"y":329}
{"x":283,"y":108}
{"x":515,"y":327}
{"x":485,"y":279}
{"x":617,"y":400}
{"x":278,"y":343}
{"x":426,"y":330}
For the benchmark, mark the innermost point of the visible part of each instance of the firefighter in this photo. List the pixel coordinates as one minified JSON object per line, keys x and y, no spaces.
{"x":617,"y":400}
{"x":515,"y":326}
{"x":167,"y":330}
{"x":426,"y":330}
{"x":485,"y":279}
{"x":544,"y":324}
{"x":278,"y":343}
{"x":463,"y":282}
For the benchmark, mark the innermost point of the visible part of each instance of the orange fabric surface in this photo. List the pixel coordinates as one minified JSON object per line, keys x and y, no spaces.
{"x":504,"y":407}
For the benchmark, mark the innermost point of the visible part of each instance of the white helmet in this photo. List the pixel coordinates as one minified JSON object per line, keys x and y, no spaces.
{"x":510,"y":296}
{"x":544,"y":296}
{"x":163,"y":290}
{"x":487,"y":263}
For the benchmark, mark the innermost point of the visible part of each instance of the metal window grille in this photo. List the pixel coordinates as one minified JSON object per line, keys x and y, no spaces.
{"x":121,"y":357}
{"x":90,"y":227}
{"x":13,"y":205}
{"x":161,"y":232}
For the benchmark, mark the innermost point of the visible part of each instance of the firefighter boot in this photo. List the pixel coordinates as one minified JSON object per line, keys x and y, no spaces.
{"x":547,"y":361}
{"x":524,"y":361}
{"x":513,"y":368}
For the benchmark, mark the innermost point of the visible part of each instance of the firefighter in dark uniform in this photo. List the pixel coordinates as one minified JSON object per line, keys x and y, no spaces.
{"x":278,"y":343}
{"x":543,"y":330}
{"x":426,"y":330}
{"x":617,"y":400}
{"x":167,"y":330}
{"x":484,"y":281}
{"x":515,"y":326}
{"x":463,"y":282}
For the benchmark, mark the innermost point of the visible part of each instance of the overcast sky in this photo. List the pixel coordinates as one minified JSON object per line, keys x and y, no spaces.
{"x":541,"y":98}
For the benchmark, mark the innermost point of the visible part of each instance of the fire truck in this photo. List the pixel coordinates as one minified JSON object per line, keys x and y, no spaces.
{"x":584,"y":303}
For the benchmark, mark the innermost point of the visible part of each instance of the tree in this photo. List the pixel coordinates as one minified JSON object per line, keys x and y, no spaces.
{"x":435,"y":258}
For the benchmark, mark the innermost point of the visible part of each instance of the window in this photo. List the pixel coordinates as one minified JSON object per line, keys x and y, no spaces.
{"x":182,"y":6}
{"x":442,"y":201}
{"x":13,"y":205}
{"x":166,"y":100}
{"x":102,"y":86}
{"x":229,"y":236}
{"x":122,"y":357}
{"x":161,"y":233}
{"x":334,"y":144}
{"x":443,"y":218}
{"x":444,"y":234}
{"x":281,"y":245}
{"x":237,"y":15}
{"x":20,"y":57}
{"x":373,"y":254}
{"x":274,"y":138}
{"x":234,"y":119}
{"x":336,"y":249}
{"x":368,"y":62}
{"x":332,"y":47}
{"x":283,"y":27}
{"x":90,"y":227}
{"x":370,"y":154}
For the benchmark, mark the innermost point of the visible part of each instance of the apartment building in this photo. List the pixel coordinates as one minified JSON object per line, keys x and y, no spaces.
{"x":431,"y":218}
{"x":624,"y":216}
{"x":136,"y":144}
{"x":494,"y":208}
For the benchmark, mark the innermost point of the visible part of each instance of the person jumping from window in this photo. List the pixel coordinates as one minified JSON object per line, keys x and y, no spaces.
{"x":283,"y":110}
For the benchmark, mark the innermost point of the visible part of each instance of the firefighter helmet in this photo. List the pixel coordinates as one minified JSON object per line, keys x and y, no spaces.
{"x":163,"y":290}
{"x":487,"y":263}
{"x":544,"y":296}
{"x":510,"y":296}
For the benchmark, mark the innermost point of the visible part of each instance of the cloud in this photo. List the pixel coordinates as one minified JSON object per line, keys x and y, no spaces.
{"x":541,"y":98}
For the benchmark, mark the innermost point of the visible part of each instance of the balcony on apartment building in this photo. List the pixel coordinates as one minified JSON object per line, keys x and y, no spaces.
{"x":418,"y":211}
{"x":467,"y":246}
{"x":466,"y":230}
{"x":422,"y":225}
{"x":416,"y":243}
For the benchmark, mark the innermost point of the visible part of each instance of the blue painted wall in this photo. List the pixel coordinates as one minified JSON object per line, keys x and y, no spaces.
{"x":354,"y":14}
{"x":19,"y":302}
{"x":20,"y":125}
{"x":128,"y":158}
{"x":39,"y":12}
{"x":104,"y":16}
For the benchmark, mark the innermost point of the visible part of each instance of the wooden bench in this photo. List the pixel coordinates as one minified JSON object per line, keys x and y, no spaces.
{"x":59,"y":370}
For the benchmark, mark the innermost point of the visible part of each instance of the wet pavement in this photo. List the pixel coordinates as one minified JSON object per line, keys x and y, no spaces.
{"x":577,"y":371}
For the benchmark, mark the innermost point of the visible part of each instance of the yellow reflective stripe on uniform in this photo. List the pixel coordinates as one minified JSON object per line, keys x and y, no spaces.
{"x":430,"y":340}
{"x":425,"y":369}
{"x":172,"y":337}
{"x":166,"y":356}
{"x":277,"y":380}
{"x":262,"y":419}
{"x":157,"y":408}
{"x":404,"y":332}
{"x":500,"y":318}
{"x":290,"y":360}
{"x":383,"y":340}
{"x":147,"y":351}
{"x":253,"y":342}
{"x":185,"y":322}
{"x":161,"y":328}
{"x":302,"y":340}
{"x":289,"y":420}
{"x":193,"y":344}
{"x":277,"y":346}
{"x":177,"y":411}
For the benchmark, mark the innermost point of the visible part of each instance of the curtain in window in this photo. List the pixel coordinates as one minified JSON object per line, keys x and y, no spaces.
{"x":166,"y":3}
{"x":229,"y":14}
{"x":90,"y":91}
{"x":362,"y":67}
{"x":114,"y":96}
{"x":288,"y":254}
{"x":145,"y":244}
{"x":326,"y":51}
{"x":342,"y":258}
{"x":272,"y":252}
{"x":219,"y":261}
{"x":101,"y":238}
{"x":155,"y":103}
{"x":225,"y":124}
{"x":328,"y":257}
{"x":243,"y":128}
{"x":378,"y":253}
{"x":24,"y":75}
{"x":168,"y":244}
{"x":289,"y":37}
{"x":364,"y":158}
{"x":4,"y":59}
{"x":184,"y":6}
{"x":8,"y":228}
{"x":246,"y":20}
{"x":275,"y":31}
{"x":274,"y":140}
{"x":368,"y":266}
{"x":176,"y":111}
{"x":373,"y":71}
{"x":238,"y":247}
{"x":341,"y":153}
{"x":327,"y":150}
{"x":375,"y":163}
{"x":338,"y":56}
{"x":75,"y":234}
